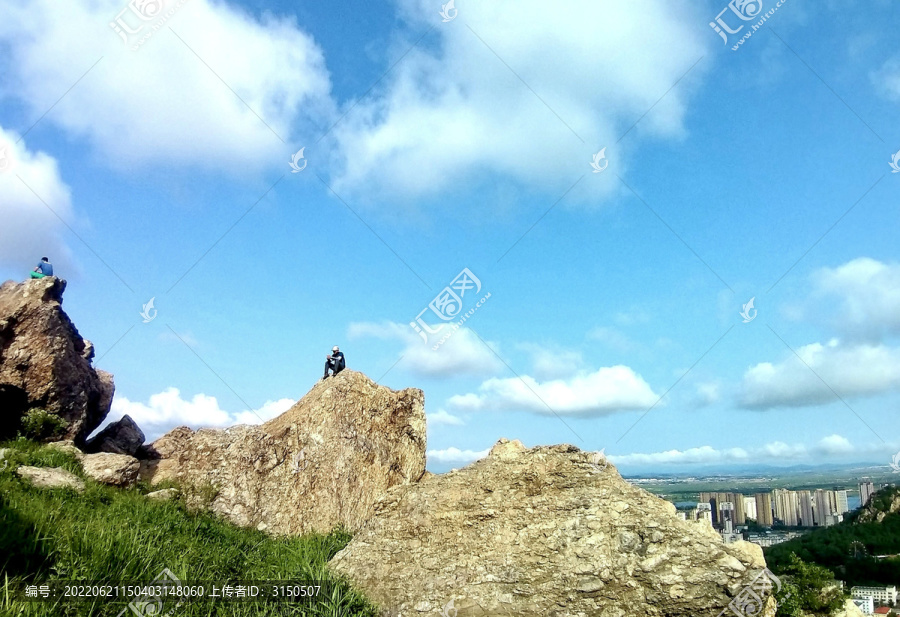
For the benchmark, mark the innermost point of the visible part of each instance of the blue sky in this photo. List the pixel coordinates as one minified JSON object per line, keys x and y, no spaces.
{"x":614,"y":317}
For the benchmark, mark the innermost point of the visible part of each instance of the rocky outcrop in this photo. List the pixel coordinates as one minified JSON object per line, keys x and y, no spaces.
{"x":113,"y":469}
{"x":546,"y":531}
{"x":322,"y":463}
{"x":51,"y":477}
{"x":123,"y":436}
{"x":44,"y":362}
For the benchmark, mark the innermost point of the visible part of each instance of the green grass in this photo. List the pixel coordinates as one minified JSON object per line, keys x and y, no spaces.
{"x":115,"y":535}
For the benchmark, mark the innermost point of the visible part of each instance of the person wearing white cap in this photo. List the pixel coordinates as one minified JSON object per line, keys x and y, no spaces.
{"x":335,"y":361}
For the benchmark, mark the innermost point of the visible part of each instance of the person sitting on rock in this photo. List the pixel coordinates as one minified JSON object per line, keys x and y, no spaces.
{"x":335,"y":361}
{"x":44,"y":268}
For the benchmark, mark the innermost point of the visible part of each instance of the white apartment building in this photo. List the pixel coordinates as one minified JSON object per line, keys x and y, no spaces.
{"x":883,"y":595}
{"x":865,"y":604}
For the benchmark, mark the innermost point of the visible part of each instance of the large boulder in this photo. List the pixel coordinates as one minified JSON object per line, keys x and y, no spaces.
{"x":51,"y":477}
{"x":44,"y":362}
{"x":113,"y":469}
{"x":123,"y":436}
{"x":546,"y":531}
{"x":322,"y":463}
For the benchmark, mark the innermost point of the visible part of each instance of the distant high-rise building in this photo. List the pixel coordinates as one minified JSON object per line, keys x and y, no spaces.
{"x":787,"y":507}
{"x":823,"y":507}
{"x":740,"y":514}
{"x":806,"y":508}
{"x":764,"y":509}
{"x":840,"y":498}
{"x":750,"y":509}
{"x":865,"y":491}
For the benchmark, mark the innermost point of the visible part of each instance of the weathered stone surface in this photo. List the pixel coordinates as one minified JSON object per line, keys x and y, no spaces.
{"x":123,"y":436}
{"x":109,"y":468}
{"x":166,"y":494}
{"x":44,"y":362}
{"x":68,"y":447}
{"x":322,"y":463}
{"x":541,"y":532}
{"x":850,"y":610}
{"x":51,"y":477}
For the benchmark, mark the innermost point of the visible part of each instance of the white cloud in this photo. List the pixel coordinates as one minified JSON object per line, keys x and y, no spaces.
{"x":443,"y":417}
{"x":833,"y":445}
{"x":455,"y":455}
{"x":161,"y":104}
{"x":462,"y":354}
{"x":887,"y":78}
{"x":708,"y":393}
{"x":30,"y":229}
{"x":605,"y":391}
{"x":858,"y":370}
{"x":456,"y":113}
{"x":167,"y":410}
{"x":868,"y":296}
{"x":703,"y":454}
{"x":552,"y":362}
{"x":612,"y":338}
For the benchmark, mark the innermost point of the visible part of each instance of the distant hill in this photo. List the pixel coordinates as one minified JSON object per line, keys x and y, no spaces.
{"x":856,"y":549}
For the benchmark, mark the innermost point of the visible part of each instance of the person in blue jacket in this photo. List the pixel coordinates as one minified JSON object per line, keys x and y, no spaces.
{"x":44,"y":268}
{"x":335,"y":361}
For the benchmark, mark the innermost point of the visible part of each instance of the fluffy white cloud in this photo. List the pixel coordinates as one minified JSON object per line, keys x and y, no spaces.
{"x":462,"y":354}
{"x":30,"y":229}
{"x":161,"y":104}
{"x":453,"y":112}
{"x":856,"y":370}
{"x":605,"y":391}
{"x":835,"y":444}
{"x":442,"y":417}
{"x":868,"y":297}
{"x":167,"y":410}
{"x":455,"y":455}
{"x":708,"y":393}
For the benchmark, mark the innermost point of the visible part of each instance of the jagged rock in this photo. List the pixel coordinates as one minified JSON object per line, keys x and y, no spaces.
{"x":322,"y":463}
{"x":51,"y":477}
{"x":44,"y":362}
{"x":544,"y":532}
{"x":166,"y":494}
{"x":850,"y":610}
{"x":114,"y":469}
{"x":123,"y":436}
{"x":68,"y":447}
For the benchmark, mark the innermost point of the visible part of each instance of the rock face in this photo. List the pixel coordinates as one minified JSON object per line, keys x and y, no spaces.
{"x":121,"y":437}
{"x":114,"y":469}
{"x":322,"y":463}
{"x":546,"y":531}
{"x":44,"y":362}
{"x":51,"y":477}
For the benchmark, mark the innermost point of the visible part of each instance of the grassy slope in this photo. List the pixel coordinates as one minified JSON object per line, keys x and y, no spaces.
{"x":108,"y":534}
